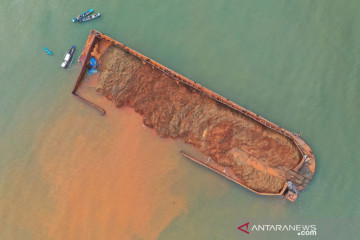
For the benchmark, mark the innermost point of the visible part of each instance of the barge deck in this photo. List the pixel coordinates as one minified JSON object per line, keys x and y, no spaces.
{"x":294,"y":179}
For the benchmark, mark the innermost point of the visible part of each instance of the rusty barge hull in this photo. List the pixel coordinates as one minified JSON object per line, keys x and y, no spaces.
{"x":298,"y":176}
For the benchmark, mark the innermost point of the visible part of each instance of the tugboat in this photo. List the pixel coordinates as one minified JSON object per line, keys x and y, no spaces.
{"x":68,"y":56}
{"x":88,"y":18}
{"x":291,"y":192}
{"x":78,"y":18}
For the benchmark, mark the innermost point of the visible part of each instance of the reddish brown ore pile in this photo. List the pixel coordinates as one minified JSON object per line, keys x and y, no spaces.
{"x":176,"y":110}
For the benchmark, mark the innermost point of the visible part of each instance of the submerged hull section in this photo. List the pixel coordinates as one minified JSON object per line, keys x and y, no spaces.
{"x":241,"y":145}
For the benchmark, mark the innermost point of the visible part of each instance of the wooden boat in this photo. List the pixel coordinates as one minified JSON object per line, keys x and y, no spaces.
{"x":78,"y":18}
{"x":91,"y":17}
{"x":48,"y":52}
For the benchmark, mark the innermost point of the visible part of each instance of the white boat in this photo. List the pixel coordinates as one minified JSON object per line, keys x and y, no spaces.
{"x":68,"y":56}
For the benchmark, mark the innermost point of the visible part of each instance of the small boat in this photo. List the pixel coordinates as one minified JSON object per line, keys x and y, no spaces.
{"x":48,"y":52}
{"x":78,"y":18}
{"x":91,"y":17}
{"x":68,"y":56}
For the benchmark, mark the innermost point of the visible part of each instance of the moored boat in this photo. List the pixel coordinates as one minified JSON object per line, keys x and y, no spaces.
{"x":68,"y":56}
{"x":48,"y":52}
{"x":91,"y":17}
{"x":78,"y":18}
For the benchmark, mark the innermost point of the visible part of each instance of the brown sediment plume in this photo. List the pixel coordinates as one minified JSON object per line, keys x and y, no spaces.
{"x":99,"y":190}
{"x":242,"y":146}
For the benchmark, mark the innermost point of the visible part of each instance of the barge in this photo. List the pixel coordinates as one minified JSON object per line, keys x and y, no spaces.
{"x":241,"y":145}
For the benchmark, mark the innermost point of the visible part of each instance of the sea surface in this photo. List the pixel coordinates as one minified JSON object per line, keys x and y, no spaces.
{"x":67,"y":172}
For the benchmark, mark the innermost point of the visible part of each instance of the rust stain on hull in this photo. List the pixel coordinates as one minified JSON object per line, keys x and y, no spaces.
{"x":244,"y":147}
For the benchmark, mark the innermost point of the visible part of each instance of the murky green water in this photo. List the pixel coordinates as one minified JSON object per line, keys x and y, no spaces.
{"x":64,"y":169}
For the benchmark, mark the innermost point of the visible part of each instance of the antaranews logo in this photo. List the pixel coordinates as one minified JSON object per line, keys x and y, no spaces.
{"x":244,"y":225}
{"x":301,"y":230}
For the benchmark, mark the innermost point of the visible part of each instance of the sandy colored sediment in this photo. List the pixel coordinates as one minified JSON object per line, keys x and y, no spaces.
{"x":252,"y":151}
{"x":99,"y":190}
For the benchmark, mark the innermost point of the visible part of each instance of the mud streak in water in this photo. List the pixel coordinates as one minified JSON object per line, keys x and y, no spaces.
{"x":116,"y":188}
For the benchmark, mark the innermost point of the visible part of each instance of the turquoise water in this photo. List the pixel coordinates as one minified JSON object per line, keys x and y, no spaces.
{"x":295,"y":63}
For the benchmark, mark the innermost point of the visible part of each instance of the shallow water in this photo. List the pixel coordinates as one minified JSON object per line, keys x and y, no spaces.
{"x":68,"y":173}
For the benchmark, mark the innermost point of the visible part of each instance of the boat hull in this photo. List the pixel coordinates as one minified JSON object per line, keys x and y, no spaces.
{"x":78,"y":18}
{"x":295,"y":177}
{"x":67,"y":57}
{"x":48,"y":52}
{"x":88,"y":18}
